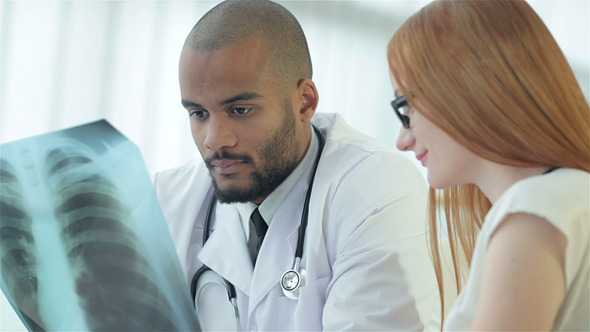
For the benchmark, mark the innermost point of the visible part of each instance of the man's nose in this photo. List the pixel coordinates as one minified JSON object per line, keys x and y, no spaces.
{"x":219,"y":135}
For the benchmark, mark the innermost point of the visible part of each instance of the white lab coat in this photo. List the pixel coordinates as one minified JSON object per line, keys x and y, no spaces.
{"x":365,"y":247}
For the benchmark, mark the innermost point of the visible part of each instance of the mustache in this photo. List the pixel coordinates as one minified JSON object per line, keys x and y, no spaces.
{"x":219,"y":155}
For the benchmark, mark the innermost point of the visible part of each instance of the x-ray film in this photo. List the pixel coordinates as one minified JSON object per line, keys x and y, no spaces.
{"x":83,"y":242}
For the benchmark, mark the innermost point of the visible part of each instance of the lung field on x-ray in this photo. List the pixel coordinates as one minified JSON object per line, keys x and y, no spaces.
{"x":19,"y":253}
{"x":116,"y":286}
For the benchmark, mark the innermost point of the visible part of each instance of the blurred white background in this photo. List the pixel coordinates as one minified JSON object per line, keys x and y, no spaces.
{"x":65,"y":63}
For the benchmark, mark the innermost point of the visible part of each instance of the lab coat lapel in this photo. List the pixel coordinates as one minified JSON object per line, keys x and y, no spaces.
{"x":277,"y":252}
{"x":226,"y":251}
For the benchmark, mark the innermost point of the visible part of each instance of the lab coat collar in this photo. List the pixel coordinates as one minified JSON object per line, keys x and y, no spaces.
{"x":277,"y":252}
{"x":226,"y":250}
{"x":271,"y":204}
{"x":269,"y":207}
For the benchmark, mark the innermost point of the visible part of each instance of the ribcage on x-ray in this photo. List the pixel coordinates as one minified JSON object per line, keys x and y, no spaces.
{"x":116,"y":285}
{"x":19,"y":262}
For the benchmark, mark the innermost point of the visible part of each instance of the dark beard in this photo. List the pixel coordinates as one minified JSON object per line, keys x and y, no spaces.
{"x":279,"y":155}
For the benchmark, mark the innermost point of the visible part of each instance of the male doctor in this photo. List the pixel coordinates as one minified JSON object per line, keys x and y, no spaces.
{"x":245,"y":79}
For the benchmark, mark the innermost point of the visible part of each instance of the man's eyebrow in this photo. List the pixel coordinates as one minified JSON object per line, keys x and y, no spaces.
{"x":238,"y":97}
{"x":188,"y":104}
{"x":241,"y":96}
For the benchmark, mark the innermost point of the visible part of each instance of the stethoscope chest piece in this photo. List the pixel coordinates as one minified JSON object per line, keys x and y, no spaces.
{"x":292,"y":280}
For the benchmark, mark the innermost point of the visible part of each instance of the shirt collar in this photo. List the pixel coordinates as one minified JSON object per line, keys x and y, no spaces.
{"x":271,"y":204}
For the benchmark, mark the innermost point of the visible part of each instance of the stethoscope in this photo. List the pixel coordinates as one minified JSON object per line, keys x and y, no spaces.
{"x":291,"y":280}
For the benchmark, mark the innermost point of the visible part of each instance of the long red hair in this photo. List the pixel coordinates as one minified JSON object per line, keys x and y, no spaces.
{"x":489,"y":74}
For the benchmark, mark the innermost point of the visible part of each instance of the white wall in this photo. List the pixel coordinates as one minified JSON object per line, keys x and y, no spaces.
{"x":64,"y":63}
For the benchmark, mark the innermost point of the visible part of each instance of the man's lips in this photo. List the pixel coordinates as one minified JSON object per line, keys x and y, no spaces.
{"x":227,"y":166}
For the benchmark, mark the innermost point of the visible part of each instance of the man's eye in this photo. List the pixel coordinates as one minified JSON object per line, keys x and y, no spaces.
{"x":199,"y":114}
{"x":241,"y":110}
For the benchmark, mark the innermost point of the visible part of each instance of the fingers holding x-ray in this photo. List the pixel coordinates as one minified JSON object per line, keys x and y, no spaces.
{"x":113,"y":279}
{"x":17,"y":244}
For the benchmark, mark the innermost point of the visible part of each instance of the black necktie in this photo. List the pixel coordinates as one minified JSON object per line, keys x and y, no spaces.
{"x":260,"y":227}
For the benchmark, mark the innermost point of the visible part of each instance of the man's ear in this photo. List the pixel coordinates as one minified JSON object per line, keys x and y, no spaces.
{"x":309,"y":98}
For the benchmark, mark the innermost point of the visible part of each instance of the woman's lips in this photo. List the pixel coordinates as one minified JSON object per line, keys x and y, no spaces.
{"x":421,"y":156}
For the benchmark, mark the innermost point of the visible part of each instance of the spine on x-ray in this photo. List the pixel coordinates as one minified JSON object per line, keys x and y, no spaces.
{"x":116,"y":285}
{"x":19,"y":261}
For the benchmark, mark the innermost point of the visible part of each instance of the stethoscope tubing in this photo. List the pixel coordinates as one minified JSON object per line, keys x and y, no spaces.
{"x":202,"y":269}
{"x":305,"y":212}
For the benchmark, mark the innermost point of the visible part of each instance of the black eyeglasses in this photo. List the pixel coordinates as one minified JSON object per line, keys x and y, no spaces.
{"x":401,"y":108}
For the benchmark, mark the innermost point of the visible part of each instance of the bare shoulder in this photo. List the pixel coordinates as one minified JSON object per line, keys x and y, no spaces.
{"x":523,"y":279}
{"x":521,"y":230}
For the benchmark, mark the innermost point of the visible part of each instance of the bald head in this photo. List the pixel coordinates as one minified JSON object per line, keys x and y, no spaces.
{"x":236,"y":21}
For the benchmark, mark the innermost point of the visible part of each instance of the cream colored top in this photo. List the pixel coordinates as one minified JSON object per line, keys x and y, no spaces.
{"x":561,"y":197}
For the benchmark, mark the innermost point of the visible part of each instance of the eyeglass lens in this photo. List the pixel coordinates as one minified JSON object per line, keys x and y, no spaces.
{"x":401,"y":107}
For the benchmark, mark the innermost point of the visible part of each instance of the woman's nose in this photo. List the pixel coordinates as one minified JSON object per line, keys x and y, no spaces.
{"x":405,"y":140}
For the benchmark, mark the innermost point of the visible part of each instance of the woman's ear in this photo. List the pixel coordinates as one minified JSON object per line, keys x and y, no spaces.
{"x":309,"y":98}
